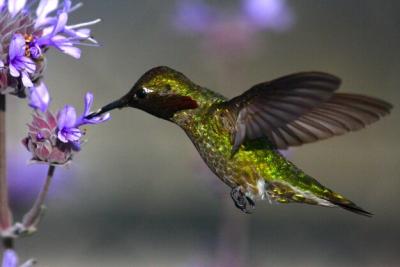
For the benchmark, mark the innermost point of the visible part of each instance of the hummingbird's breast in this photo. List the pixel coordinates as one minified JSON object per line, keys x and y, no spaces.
{"x":210,"y":132}
{"x":257,"y":167}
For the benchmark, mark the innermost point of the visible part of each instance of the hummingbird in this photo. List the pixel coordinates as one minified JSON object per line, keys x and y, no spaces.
{"x":239,"y":139}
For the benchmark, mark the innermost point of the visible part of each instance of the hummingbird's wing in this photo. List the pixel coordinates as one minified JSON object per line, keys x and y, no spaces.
{"x":300,"y":108}
{"x":342,"y":113}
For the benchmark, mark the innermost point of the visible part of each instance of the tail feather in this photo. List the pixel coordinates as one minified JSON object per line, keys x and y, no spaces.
{"x":350,"y":206}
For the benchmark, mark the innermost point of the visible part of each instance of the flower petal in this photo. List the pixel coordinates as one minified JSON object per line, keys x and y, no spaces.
{"x":43,"y":151}
{"x":15,"y":6}
{"x":65,"y":45}
{"x":10,"y":258}
{"x":26,"y":81}
{"x":13,"y":71}
{"x":88,"y":103}
{"x":39,"y":122}
{"x":45,"y":7}
{"x":66,"y":117}
{"x":69,"y":135}
{"x":17,"y":47}
{"x":270,"y":14}
{"x":67,"y":6}
{"x":1,"y":62}
{"x":62,"y":137}
{"x":39,"y":97}
{"x":95,"y":120}
{"x":74,"y":134}
{"x":28,"y":64}
{"x":29,"y":263}
{"x":51,"y":120}
{"x":74,"y":52}
{"x":60,"y":157}
{"x":83,"y":33}
{"x":99,"y":119}
{"x":61,"y":22}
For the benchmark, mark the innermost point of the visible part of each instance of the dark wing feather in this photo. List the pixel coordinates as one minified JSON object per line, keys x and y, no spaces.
{"x":268,"y":106}
{"x":340,"y":114}
{"x":300,"y":108}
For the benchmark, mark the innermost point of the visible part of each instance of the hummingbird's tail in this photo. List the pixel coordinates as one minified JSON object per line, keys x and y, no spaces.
{"x":350,"y":206}
{"x":302,"y":188}
{"x":340,"y":201}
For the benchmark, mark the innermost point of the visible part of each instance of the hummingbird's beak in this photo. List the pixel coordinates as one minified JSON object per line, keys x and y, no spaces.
{"x":120,"y":103}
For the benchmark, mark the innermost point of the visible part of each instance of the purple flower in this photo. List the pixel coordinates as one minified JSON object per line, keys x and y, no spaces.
{"x":10,"y":258}
{"x":68,"y":122}
{"x":193,"y":16}
{"x":35,"y":51}
{"x":39,"y":97}
{"x":95,"y":120}
{"x":67,"y":128}
{"x":269,"y":14}
{"x":27,"y":34}
{"x":54,"y":140}
{"x":43,"y":143}
{"x":19,"y":63}
{"x":231,"y":33}
{"x":64,"y":37}
{"x":44,"y":8}
{"x":15,"y":6}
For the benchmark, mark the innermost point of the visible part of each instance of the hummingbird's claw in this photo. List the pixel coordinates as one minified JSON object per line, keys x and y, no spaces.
{"x":242,"y":202}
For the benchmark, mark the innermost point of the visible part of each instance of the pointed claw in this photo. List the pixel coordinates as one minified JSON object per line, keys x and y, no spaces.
{"x":233,"y":151}
{"x":241,"y":201}
{"x":251,"y":202}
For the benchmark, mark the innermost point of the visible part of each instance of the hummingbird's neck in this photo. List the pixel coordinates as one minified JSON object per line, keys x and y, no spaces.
{"x":205,"y":99}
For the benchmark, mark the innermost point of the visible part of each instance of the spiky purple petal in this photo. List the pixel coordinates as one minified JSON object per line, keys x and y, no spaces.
{"x":10,"y":258}
{"x":39,"y":97}
{"x":54,"y":140}
{"x":19,"y":64}
{"x":45,"y":7}
{"x":27,"y":33}
{"x":95,"y":120}
{"x":15,"y":6}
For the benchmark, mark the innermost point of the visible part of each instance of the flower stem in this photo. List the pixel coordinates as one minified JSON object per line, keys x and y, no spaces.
{"x":31,"y":219}
{"x":5,"y":212}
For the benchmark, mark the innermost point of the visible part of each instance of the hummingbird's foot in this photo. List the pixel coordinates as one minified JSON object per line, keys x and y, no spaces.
{"x":242,"y":202}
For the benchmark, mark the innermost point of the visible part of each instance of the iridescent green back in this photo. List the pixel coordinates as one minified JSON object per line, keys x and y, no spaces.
{"x":210,"y":129}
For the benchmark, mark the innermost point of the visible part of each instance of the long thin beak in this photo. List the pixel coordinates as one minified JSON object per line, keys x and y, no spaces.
{"x":120,"y":103}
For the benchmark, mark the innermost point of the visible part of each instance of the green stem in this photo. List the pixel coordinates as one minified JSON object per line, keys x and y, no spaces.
{"x":5,"y":212}
{"x":33,"y":215}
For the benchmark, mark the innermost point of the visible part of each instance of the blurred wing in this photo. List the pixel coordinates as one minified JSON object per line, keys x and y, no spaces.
{"x":299,"y":109}
{"x":340,"y":114}
{"x":269,"y":106}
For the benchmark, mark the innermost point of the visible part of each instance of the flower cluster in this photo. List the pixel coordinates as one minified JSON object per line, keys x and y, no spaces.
{"x":199,"y":16}
{"x":26,"y":34}
{"x":28,"y":28}
{"x":10,"y":259}
{"x":230,"y":33}
{"x":54,"y":139}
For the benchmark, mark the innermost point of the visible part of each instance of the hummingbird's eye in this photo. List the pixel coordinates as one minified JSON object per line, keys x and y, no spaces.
{"x":141,"y":93}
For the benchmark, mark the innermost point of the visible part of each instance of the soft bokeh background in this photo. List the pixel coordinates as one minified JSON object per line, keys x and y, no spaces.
{"x":139,"y":194}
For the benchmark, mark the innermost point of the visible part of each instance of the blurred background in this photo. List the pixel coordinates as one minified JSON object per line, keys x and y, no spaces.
{"x":140,"y":195}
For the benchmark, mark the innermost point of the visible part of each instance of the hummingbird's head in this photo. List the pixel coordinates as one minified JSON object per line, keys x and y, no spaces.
{"x":161,"y":92}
